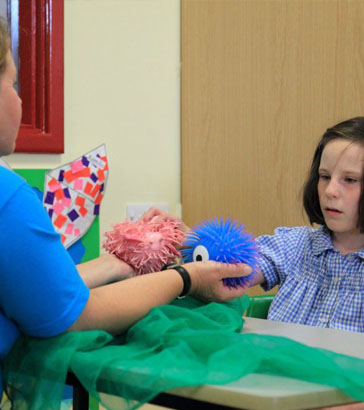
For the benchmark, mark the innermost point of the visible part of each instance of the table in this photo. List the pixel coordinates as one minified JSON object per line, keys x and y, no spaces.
{"x":259,"y":391}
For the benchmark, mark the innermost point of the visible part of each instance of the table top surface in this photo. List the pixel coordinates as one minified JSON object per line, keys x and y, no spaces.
{"x":259,"y":391}
{"x":339,"y":341}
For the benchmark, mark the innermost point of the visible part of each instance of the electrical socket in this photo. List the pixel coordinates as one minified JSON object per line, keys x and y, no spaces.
{"x":135,"y":211}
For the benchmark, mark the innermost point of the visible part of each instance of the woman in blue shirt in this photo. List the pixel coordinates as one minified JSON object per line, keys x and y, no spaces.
{"x":42,"y":293}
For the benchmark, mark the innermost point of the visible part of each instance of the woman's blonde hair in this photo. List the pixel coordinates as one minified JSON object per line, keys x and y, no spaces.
{"x":4,"y":43}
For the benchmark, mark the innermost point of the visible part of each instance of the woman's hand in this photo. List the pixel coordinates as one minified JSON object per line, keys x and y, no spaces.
{"x":104,"y":269}
{"x":207,"y":284}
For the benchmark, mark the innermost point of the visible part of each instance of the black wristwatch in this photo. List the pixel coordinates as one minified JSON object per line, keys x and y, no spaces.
{"x":184,"y":275}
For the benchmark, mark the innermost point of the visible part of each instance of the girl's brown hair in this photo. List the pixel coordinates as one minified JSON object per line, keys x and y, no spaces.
{"x":351,"y":130}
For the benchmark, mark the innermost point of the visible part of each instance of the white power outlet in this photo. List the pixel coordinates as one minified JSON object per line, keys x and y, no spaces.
{"x":135,"y":211}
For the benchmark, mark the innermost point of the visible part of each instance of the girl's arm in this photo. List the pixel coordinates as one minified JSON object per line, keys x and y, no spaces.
{"x":257,"y":279}
{"x":103,"y":270}
{"x":117,"y":306}
{"x":152,"y":212}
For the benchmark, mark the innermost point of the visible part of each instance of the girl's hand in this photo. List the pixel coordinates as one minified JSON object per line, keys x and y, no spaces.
{"x":153,"y":212}
{"x":206,"y":280}
{"x":118,"y":269}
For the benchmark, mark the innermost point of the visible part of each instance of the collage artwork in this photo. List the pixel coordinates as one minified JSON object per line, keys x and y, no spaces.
{"x":73,"y":194}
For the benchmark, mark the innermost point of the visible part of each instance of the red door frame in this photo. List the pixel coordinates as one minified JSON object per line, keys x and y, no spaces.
{"x":41,"y":76}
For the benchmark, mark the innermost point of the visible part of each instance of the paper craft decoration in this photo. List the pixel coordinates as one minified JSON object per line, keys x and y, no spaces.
{"x":73,"y":193}
{"x":224,"y":241}
{"x":146,"y":245}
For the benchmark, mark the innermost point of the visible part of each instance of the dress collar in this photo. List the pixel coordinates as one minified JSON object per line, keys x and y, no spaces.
{"x":321,"y":242}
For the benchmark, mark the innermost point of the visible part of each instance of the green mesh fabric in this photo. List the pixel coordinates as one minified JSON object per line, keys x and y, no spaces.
{"x":182,"y":344}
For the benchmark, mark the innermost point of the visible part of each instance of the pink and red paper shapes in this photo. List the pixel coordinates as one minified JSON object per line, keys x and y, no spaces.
{"x":73,"y":194}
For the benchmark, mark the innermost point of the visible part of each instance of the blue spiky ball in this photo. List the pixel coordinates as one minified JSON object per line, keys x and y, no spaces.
{"x":224,"y":241}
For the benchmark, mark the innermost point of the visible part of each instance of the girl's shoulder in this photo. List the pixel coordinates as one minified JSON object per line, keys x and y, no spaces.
{"x":290,"y":237}
{"x":291,"y":232}
{"x":296,"y":231}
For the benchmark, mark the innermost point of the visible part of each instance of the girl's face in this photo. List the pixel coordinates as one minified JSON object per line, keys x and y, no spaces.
{"x":339,"y":186}
{"x":10,"y":108}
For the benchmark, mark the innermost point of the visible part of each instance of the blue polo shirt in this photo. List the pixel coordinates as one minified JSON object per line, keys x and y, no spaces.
{"x":41,"y":292}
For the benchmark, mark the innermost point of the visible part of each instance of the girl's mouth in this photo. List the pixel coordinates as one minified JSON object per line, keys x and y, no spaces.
{"x":332,"y":211}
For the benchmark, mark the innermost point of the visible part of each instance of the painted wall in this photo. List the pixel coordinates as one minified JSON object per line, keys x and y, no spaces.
{"x":122,"y":88}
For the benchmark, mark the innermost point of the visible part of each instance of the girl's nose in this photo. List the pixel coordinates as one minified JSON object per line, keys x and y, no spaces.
{"x":332,"y":189}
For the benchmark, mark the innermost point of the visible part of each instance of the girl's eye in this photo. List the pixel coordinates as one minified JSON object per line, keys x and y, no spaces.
{"x":350,"y":180}
{"x":324,"y":177}
{"x":200,"y":253}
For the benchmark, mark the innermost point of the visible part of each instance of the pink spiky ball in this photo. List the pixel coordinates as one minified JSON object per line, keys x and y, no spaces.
{"x":146,"y":245}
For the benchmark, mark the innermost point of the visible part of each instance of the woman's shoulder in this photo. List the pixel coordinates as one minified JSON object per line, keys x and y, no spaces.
{"x":9,"y":175}
{"x":10,"y":183}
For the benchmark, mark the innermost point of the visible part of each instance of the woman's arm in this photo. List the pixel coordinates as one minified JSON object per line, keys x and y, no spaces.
{"x":117,"y":306}
{"x":103,"y":270}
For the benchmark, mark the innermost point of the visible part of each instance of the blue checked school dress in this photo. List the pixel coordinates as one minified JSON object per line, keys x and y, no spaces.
{"x":317,"y":285}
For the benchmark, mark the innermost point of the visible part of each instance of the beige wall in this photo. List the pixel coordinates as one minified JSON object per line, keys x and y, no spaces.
{"x":122,"y":73}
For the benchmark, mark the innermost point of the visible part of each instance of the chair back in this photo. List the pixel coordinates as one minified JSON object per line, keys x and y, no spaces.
{"x":259,"y":306}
